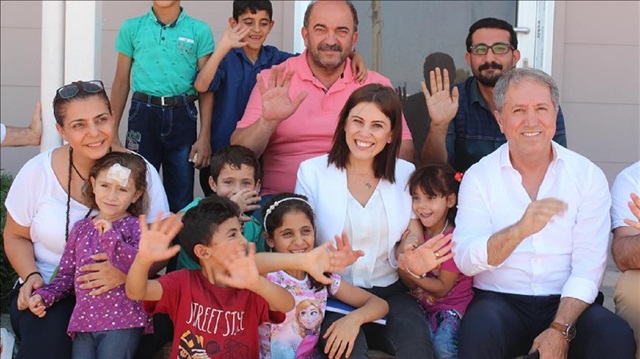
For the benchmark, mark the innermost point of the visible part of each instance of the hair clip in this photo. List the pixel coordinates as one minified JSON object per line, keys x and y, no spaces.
{"x":275,"y":204}
{"x":458,"y":176}
{"x":119,"y":174}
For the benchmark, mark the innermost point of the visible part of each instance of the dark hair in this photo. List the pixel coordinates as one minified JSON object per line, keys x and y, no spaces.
{"x":234,"y":156}
{"x":138,"y":168}
{"x":281,"y":204}
{"x":241,"y":7}
{"x":201,"y":222}
{"x":60,"y":103}
{"x":493,"y":23}
{"x":354,"y":13}
{"x":436,"y":179}
{"x":273,"y":214}
{"x":441,"y":60}
{"x":388,"y":102}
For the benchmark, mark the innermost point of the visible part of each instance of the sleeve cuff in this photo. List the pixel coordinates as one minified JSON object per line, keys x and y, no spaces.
{"x":580,"y":288}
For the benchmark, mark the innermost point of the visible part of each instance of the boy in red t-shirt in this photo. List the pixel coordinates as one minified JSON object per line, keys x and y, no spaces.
{"x":216,"y":310}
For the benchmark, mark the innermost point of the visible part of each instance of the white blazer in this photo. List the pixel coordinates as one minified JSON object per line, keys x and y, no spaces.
{"x":326,"y":187}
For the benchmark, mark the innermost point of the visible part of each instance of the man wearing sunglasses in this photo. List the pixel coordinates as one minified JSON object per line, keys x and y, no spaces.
{"x":463,"y":127}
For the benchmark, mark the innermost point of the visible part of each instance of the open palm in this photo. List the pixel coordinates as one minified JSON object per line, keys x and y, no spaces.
{"x":155,"y":240}
{"x":277,"y":105}
{"x":442,"y":103}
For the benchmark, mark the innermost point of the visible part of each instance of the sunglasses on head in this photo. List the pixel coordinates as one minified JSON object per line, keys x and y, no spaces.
{"x":71,"y":90}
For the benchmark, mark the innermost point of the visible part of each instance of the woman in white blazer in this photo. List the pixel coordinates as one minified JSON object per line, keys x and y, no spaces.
{"x":359,"y":187}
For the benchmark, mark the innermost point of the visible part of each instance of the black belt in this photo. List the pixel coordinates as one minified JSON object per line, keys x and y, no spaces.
{"x":169,"y":101}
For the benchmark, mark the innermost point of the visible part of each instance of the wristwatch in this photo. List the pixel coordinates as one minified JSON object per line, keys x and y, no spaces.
{"x":568,"y":330}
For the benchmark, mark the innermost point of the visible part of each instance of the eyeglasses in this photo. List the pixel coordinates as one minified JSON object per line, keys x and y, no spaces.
{"x":499,"y":48}
{"x":71,"y":90}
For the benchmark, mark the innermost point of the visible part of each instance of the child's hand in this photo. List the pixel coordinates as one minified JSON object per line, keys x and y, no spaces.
{"x":36,"y":305}
{"x":327,"y":259}
{"x":155,"y":240}
{"x":232,"y":36}
{"x":241,"y":270}
{"x":359,"y":68}
{"x":102,"y":225}
{"x":427,"y":256}
{"x":340,"y":337}
{"x":247,"y":200}
{"x":344,"y":256}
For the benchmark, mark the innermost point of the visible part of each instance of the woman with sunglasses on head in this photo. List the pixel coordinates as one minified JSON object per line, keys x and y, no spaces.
{"x":44,"y":202}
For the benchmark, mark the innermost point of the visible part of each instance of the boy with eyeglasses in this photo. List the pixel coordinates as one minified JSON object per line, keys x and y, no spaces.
{"x":463,"y":127}
{"x":159,"y":54}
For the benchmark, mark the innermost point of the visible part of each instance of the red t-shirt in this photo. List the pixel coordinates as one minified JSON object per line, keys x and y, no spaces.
{"x":219,"y":322}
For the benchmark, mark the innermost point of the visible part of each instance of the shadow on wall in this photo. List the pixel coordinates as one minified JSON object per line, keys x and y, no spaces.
{"x":415,"y":107}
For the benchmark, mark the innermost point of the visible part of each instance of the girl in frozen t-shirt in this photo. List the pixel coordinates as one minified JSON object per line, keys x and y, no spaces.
{"x":289,"y":228}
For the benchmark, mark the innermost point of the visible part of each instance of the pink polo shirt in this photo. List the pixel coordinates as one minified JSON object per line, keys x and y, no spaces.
{"x":309,"y":131}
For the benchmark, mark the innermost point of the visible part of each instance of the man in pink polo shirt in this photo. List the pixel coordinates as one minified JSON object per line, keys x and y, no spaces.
{"x":287,"y":131}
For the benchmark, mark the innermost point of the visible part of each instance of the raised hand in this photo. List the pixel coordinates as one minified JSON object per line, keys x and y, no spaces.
{"x":247,"y":199}
{"x":155,"y":240}
{"x":36,"y":305}
{"x":277,"y":106}
{"x":634,"y":206}
{"x":442,"y":103}
{"x":427,"y":256}
{"x":232,"y":36}
{"x":344,"y":256}
{"x":318,"y":263}
{"x":538,"y":214}
{"x":241,"y":270}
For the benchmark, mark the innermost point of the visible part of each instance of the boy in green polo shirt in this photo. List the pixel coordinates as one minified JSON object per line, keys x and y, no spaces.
{"x":235,"y":173}
{"x":159,"y":55}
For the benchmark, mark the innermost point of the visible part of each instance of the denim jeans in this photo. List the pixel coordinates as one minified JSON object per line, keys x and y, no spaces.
{"x":444,"y":332}
{"x":106,"y":344}
{"x":164,"y":136}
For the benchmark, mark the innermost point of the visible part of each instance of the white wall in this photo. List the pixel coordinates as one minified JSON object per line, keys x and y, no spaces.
{"x":596,"y":62}
{"x":20,"y":41}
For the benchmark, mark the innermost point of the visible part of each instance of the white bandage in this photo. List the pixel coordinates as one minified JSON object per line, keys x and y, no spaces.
{"x":119,"y":174}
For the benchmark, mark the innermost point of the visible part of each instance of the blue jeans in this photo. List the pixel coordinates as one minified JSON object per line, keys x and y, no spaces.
{"x":164,"y":136}
{"x":106,"y":344}
{"x":444,"y":332}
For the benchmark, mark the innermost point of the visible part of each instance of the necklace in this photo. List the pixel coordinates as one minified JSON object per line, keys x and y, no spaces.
{"x":368,"y":185}
{"x":445,"y":226}
{"x":73,"y":165}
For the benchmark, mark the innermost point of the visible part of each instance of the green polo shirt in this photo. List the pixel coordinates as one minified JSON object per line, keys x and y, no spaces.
{"x":164,"y":57}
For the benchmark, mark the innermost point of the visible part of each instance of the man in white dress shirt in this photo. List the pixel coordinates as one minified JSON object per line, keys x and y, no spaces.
{"x":625,"y":225}
{"x":533,"y":227}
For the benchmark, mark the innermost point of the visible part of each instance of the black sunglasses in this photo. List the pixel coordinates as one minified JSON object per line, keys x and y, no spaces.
{"x":71,"y":90}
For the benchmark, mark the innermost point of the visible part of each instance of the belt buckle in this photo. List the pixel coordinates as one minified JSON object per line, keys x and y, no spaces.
{"x":162,"y":100}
